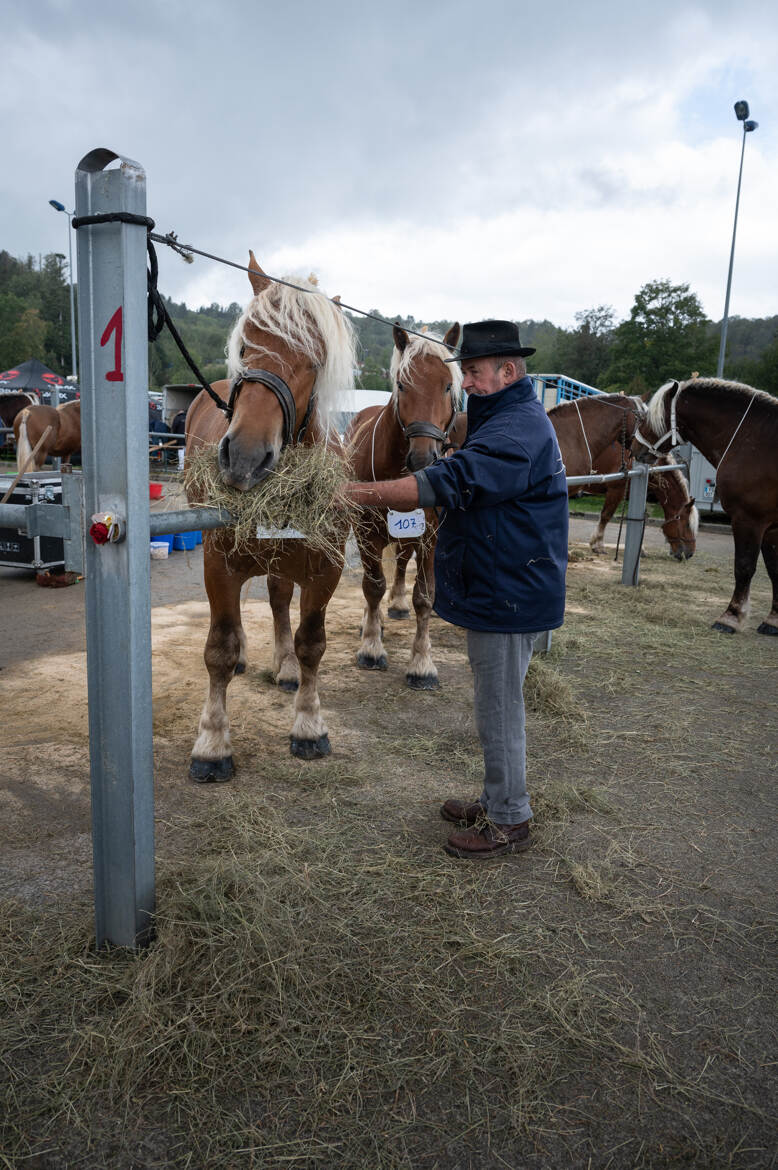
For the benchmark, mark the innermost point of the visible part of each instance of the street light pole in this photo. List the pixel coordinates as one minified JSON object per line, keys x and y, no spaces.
{"x":741,"y":113}
{"x":61,"y":207}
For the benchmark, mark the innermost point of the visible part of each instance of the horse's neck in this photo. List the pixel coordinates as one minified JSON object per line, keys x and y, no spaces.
{"x":388,"y":445}
{"x":709,"y":422}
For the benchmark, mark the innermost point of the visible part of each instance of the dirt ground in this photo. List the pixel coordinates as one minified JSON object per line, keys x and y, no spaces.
{"x":652,"y":760}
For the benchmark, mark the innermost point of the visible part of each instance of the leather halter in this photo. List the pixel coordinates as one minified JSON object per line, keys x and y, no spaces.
{"x":671,"y":434}
{"x":285,"y":401}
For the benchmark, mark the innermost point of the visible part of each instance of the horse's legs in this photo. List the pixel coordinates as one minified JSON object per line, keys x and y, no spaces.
{"x":422,"y":674}
{"x":770,"y":557}
{"x":285,"y":666}
{"x":212,"y":751}
{"x":613,"y":497}
{"x":398,"y":600}
{"x":747,"y":542}
{"x":309,"y":739}
{"x":371,"y":654}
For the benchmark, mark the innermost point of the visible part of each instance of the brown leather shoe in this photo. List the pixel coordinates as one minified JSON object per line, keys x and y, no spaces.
{"x":489,"y":840}
{"x":462,"y":812}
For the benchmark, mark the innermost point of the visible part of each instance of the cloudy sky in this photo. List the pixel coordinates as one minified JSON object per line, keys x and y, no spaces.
{"x":449,"y":160}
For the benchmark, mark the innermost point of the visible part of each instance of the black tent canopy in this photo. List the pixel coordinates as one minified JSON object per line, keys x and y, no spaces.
{"x":31,"y":375}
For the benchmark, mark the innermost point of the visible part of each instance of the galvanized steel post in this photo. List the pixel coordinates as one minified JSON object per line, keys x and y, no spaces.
{"x":114,"y":421}
{"x":636,"y":522}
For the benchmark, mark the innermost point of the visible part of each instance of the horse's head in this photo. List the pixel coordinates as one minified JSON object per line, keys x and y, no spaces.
{"x":290,"y":352}
{"x":426,"y":392}
{"x":681,"y":531}
{"x":657,"y":431}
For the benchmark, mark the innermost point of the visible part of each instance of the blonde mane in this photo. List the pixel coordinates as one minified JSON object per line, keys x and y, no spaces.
{"x":430,"y":343}
{"x":309,"y":323}
{"x":656,"y":408}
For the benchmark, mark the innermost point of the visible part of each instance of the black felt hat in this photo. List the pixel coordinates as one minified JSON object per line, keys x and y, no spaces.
{"x":490,"y":339}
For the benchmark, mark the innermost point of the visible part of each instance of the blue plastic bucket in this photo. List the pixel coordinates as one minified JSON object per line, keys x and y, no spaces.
{"x":185,"y":541}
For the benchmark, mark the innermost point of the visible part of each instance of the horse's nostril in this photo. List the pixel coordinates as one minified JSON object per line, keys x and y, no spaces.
{"x":224,"y":453}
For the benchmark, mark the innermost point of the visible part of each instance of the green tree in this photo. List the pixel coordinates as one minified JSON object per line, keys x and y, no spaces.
{"x":585,"y":352}
{"x":666,"y":336}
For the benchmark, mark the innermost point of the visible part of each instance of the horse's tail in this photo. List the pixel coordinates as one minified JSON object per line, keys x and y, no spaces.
{"x":23,"y":445}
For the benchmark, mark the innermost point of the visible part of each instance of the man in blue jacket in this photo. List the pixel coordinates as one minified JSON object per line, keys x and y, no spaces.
{"x":500,"y":564}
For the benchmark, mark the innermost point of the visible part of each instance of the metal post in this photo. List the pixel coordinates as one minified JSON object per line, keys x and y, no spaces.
{"x":636,"y":522}
{"x":114,"y":420}
{"x":72,"y":301}
{"x":725,"y":322}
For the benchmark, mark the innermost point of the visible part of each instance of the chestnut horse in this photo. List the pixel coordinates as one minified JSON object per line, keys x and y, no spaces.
{"x":736,"y":429}
{"x":288,"y":356}
{"x":64,"y":438}
{"x":407,"y":434}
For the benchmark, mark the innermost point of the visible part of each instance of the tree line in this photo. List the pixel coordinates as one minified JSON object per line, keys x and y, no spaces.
{"x":665,"y":335}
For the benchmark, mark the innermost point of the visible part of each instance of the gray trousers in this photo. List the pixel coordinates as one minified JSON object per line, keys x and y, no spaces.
{"x":499,"y":663}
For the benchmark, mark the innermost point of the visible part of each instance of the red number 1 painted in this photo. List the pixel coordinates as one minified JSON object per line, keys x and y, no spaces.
{"x":115,"y":326}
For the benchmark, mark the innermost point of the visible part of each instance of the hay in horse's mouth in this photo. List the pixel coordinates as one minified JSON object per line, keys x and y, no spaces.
{"x":299,"y":493}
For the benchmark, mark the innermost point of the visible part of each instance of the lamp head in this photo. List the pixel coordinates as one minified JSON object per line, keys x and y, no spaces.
{"x":747,"y":126}
{"x":55,"y":203}
{"x":741,"y":111}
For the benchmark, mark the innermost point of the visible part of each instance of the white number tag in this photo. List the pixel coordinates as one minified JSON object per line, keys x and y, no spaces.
{"x":406,"y":523}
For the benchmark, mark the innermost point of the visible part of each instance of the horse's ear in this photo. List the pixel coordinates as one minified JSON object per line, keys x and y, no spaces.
{"x":452,"y":337}
{"x":259,"y":282}
{"x":690,"y":503}
{"x":336,"y":301}
{"x":646,"y":395}
{"x":400,"y":337}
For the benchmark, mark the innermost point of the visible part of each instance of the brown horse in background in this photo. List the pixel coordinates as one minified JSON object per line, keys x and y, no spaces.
{"x":64,"y":438}
{"x":736,"y":429}
{"x":303,"y":341}
{"x":407,"y":434}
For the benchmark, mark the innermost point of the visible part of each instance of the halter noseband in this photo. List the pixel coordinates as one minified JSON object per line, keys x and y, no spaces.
{"x":285,"y":401}
{"x":428,"y":430}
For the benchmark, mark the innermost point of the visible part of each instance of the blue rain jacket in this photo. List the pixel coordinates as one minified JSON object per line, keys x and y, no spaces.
{"x":501,"y":553}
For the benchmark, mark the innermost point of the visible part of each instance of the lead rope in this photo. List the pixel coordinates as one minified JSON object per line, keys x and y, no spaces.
{"x":737,"y":428}
{"x":583,"y":432}
{"x":372,"y":445}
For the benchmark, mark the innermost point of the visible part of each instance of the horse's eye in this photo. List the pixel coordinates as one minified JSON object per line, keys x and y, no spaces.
{"x":400,"y":387}
{"x":242,"y":350}
{"x":448,"y":388}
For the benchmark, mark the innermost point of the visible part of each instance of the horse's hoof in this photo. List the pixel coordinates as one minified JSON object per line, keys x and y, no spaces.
{"x":211,"y":771}
{"x":288,"y":684}
{"x":722,"y":629}
{"x":423,"y":682}
{"x":310,"y":749}
{"x":766,"y":628}
{"x":368,"y":662}
{"x":399,"y":615}
{"x":240,"y":668}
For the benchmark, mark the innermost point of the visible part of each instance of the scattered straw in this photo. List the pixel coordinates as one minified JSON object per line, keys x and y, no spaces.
{"x":299,"y":493}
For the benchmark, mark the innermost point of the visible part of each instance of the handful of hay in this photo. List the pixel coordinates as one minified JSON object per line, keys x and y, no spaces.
{"x":299,"y":494}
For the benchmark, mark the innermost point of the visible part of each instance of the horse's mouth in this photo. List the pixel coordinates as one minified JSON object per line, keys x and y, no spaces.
{"x":244,"y":470}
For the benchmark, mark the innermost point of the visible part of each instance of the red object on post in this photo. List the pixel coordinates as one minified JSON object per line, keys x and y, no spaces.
{"x":99,"y":533}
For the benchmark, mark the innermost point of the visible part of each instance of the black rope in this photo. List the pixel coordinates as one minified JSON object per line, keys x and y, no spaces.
{"x":114,"y":217}
{"x":159,"y":317}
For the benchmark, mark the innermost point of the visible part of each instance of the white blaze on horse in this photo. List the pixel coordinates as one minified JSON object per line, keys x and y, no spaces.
{"x":406,"y":435}
{"x":289,"y":356}
{"x":736,"y":429}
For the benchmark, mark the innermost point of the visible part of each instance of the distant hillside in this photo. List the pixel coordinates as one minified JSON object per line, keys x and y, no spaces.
{"x":666,"y":324}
